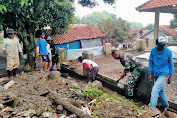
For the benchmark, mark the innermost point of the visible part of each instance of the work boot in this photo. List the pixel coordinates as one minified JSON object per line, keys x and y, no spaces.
{"x":9,"y":73}
{"x":15,"y":72}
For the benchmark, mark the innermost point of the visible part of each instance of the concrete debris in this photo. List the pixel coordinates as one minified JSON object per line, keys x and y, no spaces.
{"x":9,"y":84}
{"x":98,"y":84}
{"x":47,"y":114}
{"x":86,"y":110}
{"x":1,"y":106}
{"x":60,"y":108}
{"x":27,"y":113}
{"x":54,"y":75}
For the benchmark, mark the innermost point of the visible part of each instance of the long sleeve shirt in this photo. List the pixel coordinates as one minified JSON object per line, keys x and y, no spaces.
{"x":12,"y":46}
{"x":161,"y":62}
{"x":129,"y":62}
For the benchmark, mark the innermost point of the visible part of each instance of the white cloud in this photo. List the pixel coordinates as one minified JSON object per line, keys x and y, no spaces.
{"x":126,"y":10}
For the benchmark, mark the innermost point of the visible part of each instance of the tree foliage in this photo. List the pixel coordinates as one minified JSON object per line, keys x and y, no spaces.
{"x":135,"y":24}
{"x":94,"y":18}
{"x":25,"y":16}
{"x":149,"y":27}
{"x":115,"y":29}
{"x":92,"y":3}
{"x":173,"y":22}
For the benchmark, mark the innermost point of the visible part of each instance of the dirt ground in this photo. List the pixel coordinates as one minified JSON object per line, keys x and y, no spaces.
{"x":112,"y":68}
{"x":29,"y":96}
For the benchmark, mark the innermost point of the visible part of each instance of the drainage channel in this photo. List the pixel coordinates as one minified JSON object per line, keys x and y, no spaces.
{"x":111,"y":84}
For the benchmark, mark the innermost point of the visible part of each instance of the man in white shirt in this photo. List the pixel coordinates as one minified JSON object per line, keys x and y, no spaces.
{"x":11,"y":48}
{"x":49,"y":52}
{"x":91,"y":66}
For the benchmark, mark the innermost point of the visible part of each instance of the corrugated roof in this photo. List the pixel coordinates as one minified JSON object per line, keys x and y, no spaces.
{"x":165,"y":6}
{"x":78,"y":32}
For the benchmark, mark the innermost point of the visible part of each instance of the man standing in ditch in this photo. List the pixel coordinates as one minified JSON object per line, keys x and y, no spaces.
{"x":130,"y":64}
{"x":161,"y":63}
{"x":11,"y":48}
{"x":91,"y":66}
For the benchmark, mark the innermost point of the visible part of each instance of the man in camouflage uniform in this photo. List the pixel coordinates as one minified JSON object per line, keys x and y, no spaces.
{"x":131,"y":65}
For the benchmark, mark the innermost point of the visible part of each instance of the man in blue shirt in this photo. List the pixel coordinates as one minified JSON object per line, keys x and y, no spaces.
{"x":161,"y":63}
{"x":41,"y":48}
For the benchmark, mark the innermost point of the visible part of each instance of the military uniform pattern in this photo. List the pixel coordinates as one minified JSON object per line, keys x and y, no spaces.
{"x":131,"y":65}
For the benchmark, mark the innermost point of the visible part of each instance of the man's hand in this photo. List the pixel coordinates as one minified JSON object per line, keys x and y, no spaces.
{"x":121,"y":77}
{"x":169,"y":80}
{"x":37,"y":54}
{"x":150,"y":77}
{"x":22,"y":55}
{"x":5,"y":52}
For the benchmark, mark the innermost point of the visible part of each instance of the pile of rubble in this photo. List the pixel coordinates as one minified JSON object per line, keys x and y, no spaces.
{"x":27,"y":95}
{"x":48,"y":95}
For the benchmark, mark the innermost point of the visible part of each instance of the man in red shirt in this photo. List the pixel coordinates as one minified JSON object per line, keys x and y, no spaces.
{"x":91,"y":66}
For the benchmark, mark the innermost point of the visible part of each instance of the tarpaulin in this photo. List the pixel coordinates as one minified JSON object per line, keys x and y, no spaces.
{"x":75,"y":53}
{"x":72,"y":45}
{"x":89,"y":43}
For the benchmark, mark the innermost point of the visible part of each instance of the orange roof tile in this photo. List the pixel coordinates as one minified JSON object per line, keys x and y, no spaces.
{"x":135,"y":31}
{"x":77,"y":33}
{"x":167,"y":29}
{"x":152,"y":4}
{"x":145,"y":31}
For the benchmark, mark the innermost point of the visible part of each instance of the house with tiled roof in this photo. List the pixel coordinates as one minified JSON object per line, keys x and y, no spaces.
{"x":79,"y":36}
{"x":163,"y":29}
{"x":171,"y":34}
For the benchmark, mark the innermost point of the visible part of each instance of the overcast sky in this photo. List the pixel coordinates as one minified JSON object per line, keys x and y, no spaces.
{"x":126,"y":10}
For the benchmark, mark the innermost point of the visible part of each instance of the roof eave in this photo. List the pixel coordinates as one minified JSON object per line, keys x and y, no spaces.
{"x":164,"y":9}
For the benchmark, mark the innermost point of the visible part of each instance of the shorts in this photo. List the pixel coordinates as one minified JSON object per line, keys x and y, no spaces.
{"x":45,"y":58}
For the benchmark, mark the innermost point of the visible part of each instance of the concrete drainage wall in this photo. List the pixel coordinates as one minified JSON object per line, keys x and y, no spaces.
{"x":143,"y":91}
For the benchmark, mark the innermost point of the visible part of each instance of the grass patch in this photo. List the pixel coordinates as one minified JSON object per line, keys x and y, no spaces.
{"x":95,"y":94}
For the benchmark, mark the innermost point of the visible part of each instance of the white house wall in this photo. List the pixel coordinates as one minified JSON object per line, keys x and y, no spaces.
{"x":150,"y":35}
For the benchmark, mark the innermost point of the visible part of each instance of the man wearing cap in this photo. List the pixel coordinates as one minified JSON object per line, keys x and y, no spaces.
{"x":41,"y":48}
{"x":161,"y":63}
{"x":11,"y":48}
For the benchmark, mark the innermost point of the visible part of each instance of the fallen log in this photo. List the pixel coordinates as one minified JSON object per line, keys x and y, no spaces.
{"x":66,"y":104}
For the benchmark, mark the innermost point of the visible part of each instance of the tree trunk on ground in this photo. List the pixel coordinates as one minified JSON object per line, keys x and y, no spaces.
{"x":68,"y":105}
